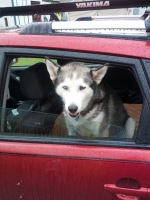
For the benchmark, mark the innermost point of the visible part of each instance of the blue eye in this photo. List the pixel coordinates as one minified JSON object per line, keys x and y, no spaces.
{"x":81,"y":88}
{"x":65,"y":87}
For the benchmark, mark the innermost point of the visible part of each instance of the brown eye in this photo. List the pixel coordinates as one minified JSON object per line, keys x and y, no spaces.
{"x":82,"y":88}
{"x":65,"y":87}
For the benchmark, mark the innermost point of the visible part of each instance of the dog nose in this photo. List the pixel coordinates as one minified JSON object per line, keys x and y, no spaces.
{"x":72,"y":108}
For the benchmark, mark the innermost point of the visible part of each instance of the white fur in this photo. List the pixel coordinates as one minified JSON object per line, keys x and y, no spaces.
{"x":130,"y":127}
{"x":84,"y":126}
{"x":74,"y":95}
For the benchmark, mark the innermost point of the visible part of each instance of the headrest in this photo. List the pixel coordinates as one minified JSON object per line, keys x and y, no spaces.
{"x":35,"y":82}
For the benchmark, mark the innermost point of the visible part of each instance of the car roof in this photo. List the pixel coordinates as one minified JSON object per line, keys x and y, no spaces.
{"x":96,"y":36}
{"x":132,"y":48}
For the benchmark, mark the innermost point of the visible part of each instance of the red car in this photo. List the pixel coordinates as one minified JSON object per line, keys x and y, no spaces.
{"x":38,"y":160}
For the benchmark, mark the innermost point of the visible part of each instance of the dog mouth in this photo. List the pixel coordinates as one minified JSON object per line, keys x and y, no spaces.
{"x":74,"y":114}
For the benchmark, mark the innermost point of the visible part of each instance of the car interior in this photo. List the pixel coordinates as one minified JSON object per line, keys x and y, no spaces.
{"x":34,"y":108}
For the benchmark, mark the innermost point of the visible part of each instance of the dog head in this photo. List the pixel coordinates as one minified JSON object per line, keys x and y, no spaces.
{"x":73,"y":83}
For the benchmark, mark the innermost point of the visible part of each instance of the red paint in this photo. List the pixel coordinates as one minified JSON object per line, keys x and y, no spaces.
{"x":60,"y":172}
{"x":87,"y":152}
{"x":85,"y":44}
{"x":36,"y":171}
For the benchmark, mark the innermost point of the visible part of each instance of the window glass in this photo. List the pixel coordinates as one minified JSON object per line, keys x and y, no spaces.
{"x":79,"y":100}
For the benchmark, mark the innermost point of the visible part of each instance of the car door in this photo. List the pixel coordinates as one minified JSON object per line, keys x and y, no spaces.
{"x":40,"y":167}
{"x":43,"y":171}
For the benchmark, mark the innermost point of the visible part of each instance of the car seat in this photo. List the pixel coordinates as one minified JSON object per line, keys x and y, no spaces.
{"x":38,"y":114}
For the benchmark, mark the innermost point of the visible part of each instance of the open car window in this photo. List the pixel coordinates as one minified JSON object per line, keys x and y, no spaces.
{"x":34,"y":108}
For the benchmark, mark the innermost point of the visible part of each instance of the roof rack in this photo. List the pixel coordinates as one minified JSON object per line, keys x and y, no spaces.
{"x":125,"y":25}
{"x":72,"y":6}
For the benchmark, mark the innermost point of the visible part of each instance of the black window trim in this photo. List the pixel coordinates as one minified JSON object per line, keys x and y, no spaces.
{"x":84,"y":56}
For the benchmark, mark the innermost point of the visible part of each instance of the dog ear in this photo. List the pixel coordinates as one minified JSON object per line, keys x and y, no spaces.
{"x":51,"y":68}
{"x":99,"y":73}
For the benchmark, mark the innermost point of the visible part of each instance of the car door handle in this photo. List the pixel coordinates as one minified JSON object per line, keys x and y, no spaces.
{"x":141,"y":192}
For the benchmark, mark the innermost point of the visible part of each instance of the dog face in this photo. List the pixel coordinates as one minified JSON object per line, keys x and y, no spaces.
{"x":73,"y":83}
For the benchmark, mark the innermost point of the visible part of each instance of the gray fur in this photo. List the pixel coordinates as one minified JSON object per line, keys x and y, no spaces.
{"x":69,"y":69}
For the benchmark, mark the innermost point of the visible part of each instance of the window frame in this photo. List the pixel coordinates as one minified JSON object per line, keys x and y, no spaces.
{"x":8,"y":53}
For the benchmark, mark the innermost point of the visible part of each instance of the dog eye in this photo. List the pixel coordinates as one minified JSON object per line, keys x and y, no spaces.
{"x":65,"y":87}
{"x":82,"y":88}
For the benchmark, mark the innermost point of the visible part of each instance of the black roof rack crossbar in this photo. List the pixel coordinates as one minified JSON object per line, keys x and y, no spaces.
{"x":72,"y":6}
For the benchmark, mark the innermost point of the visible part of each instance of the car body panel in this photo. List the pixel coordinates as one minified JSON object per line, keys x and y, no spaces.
{"x":53,"y":171}
{"x":87,"y":44}
{"x":36,"y":170}
{"x":87,"y":152}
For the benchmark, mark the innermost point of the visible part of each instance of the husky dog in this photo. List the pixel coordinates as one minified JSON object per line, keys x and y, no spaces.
{"x":91,"y":107}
